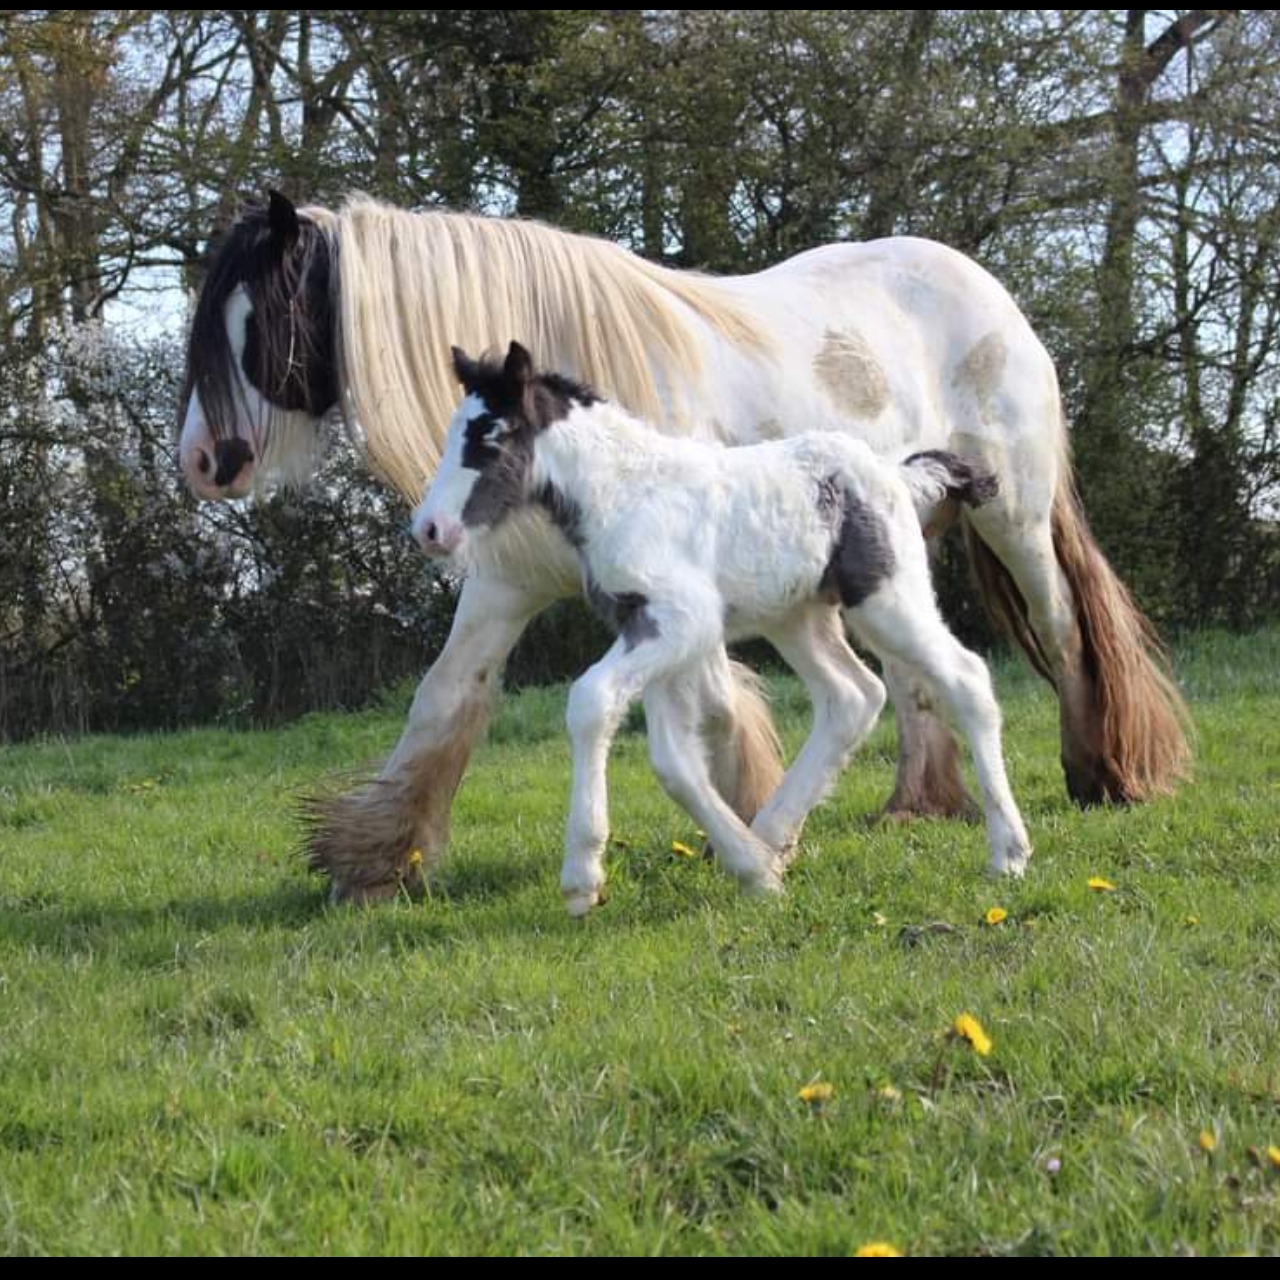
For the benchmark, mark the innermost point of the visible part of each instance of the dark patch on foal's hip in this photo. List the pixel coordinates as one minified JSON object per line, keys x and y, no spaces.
{"x":861,"y":556}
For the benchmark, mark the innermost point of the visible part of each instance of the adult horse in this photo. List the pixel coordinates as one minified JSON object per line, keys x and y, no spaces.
{"x":903,"y":342}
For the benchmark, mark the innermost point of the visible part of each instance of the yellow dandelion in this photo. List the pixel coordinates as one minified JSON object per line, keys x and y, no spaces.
{"x":817,"y":1093}
{"x":967,"y":1027}
{"x":415,"y":857}
{"x":1273,"y":1154}
{"x":879,"y":919}
{"x":877,"y":1249}
{"x":1208,"y":1141}
{"x":682,"y":850}
{"x":889,"y":1094}
{"x":1101,"y":885}
{"x":1191,"y":921}
{"x":996,"y":915}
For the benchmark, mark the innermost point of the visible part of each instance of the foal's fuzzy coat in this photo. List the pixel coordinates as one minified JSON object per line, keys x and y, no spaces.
{"x":684,"y":545}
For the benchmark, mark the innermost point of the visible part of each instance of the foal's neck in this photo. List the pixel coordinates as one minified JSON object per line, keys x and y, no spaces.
{"x":596,"y":449}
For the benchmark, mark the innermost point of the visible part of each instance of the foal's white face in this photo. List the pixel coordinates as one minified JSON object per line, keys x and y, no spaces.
{"x":486,"y":471}
{"x":473,"y":444}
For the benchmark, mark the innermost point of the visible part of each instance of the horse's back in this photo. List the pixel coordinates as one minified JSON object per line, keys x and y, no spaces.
{"x":904,"y":343}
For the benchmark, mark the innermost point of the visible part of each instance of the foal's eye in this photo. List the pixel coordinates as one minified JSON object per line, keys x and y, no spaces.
{"x":482,"y":442}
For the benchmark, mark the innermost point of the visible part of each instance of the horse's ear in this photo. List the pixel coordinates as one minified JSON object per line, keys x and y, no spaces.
{"x":465,"y":369}
{"x":282,"y":218}
{"x":518,"y":366}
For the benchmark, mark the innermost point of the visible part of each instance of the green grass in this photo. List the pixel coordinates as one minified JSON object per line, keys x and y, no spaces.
{"x":197,"y":1056}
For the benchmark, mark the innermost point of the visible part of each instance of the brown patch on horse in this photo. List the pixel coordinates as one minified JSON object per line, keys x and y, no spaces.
{"x":981,"y":371}
{"x":383,"y":837}
{"x":848,"y":370}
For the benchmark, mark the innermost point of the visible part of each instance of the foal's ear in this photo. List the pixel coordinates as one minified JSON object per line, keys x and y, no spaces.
{"x":282,"y":218}
{"x":518,"y":366}
{"x":465,"y":369}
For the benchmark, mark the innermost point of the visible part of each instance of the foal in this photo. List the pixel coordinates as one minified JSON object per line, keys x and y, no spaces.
{"x":685,"y":545}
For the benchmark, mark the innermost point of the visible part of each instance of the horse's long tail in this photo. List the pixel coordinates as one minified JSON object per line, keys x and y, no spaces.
{"x":753,"y":768}
{"x":1139,"y":716}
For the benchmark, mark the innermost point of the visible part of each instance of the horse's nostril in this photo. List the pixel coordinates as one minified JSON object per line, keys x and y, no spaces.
{"x":432,"y":532}
{"x":203,"y":462}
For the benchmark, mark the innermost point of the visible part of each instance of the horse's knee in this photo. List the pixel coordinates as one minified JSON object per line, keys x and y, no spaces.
{"x":851,"y":714}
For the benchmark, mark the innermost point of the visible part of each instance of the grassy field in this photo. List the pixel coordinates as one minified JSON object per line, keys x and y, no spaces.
{"x":198,"y":1056}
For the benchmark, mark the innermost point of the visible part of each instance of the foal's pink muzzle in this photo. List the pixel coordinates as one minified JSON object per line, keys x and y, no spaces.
{"x":438,"y":535}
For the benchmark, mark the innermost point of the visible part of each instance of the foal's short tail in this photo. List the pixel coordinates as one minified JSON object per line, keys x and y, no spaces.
{"x":940,"y":482}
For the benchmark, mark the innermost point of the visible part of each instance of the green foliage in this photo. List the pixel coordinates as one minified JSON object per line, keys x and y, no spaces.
{"x":199,"y":1057}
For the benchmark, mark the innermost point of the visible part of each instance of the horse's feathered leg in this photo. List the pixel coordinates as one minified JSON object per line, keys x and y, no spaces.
{"x":928,"y":782}
{"x":382,"y":837}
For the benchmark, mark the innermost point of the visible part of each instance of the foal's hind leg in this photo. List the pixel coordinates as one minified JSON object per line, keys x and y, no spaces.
{"x":846,"y":700}
{"x":899,"y":622}
{"x":679,"y":758}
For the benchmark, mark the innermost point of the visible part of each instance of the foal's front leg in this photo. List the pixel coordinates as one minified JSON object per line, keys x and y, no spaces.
{"x":597,"y":703}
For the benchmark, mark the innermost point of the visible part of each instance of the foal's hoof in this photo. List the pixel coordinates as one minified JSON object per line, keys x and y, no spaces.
{"x":578,"y":902}
{"x":768,"y":884}
{"x":1013,"y":863}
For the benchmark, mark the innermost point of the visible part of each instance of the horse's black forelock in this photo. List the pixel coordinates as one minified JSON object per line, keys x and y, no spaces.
{"x":291,"y":292}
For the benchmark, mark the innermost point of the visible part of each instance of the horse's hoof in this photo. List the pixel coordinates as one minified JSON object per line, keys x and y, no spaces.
{"x":367,"y":895}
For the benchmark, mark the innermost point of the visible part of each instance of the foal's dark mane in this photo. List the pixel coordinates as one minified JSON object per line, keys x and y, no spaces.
{"x":544,"y":399}
{"x":290,"y":284}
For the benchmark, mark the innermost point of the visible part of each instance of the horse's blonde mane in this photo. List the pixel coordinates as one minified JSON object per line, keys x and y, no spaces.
{"x":413,"y":284}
